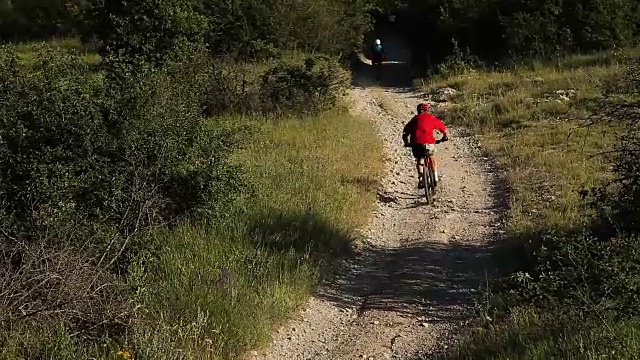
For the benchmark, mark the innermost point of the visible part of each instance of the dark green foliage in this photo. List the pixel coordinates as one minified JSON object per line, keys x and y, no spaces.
{"x":550,"y":27}
{"x":521,"y":29}
{"x":263,"y":28}
{"x":587,"y":274}
{"x":231,"y":91}
{"x":51,"y":129}
{"x":153,"y":31}
{"x":23,"y":19}
{"x":622,"y":208}
{"x":156,"y":30}
{"x":627,"y":206}
{"x":302,"y":88}
{"x":78,"y":151}
{"x":537,"y":29}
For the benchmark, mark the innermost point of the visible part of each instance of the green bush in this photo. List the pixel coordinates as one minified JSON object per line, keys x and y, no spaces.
{"x":52,"y":129}
{"x":288,"y":86}
{"x":586,"y":274}
{"x":230,"y":90}
{"x":76,"y":148}
{"x":153,"y":31}
{"x":259,"y":29}
{"x":619,"y":202}
{"x":301,"y":88}
{"x":91,"y":163}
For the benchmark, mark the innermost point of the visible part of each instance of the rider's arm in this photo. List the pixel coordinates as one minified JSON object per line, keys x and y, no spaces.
{"x":409,"y":128}
{"x":442,"y":128}
{"x":405,"y":139}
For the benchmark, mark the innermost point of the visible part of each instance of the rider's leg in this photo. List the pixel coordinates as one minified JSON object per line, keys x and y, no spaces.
{"x":434,"y":163}
{"x":420,"y":166}
{"x":418,"y":154}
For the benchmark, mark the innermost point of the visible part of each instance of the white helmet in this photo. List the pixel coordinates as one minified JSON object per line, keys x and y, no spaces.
{"x":378,"y":42}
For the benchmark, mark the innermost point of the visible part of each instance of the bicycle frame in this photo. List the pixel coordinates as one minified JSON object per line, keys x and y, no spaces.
{"x":428,"y":176}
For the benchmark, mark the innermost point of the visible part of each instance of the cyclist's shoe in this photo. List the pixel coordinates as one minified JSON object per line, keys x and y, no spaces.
{"x":420,"y":183}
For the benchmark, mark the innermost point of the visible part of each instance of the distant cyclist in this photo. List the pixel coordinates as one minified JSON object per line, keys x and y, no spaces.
{"x":378,"y":53}
{"x":418,"y":134}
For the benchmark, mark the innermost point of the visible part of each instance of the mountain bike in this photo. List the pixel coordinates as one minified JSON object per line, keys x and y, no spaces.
{"x":428,"y":175}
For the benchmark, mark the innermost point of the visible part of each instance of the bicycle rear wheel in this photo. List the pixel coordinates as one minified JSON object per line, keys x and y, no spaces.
{"x":426,"y":177}
{"x":432,"y":175}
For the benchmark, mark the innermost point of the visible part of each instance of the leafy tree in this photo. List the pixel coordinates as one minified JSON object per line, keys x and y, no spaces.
{"x":153,"y":31}
{"x":40,"y":18}
{"x":264,"y":28}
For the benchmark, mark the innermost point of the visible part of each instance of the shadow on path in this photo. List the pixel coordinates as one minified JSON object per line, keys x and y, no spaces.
{"x":419,"y":280}
{"x":430,"y":278}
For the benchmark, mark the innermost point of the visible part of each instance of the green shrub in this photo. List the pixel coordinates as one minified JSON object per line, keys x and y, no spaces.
{"x":230,"y":90}
{"x":259,"y":29}
{"x":52,"y":133}
{"x":91,"y":164}
{"x":619,"y":202}
{"x":75,"y":148}
{"x":301,"y":88}
{"x":152,"y":31}
{"x":586,"y":274}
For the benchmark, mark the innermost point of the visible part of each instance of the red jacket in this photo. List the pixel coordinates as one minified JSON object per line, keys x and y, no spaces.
{"x":421,"y":128}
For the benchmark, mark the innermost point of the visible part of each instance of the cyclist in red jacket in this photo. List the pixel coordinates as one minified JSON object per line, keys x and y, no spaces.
{"x":418,"y":133}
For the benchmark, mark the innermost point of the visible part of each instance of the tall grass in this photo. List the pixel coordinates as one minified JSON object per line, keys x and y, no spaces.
{"x":535,"y":122}
{"x":219,"y":288}
{"x":27,"y":51}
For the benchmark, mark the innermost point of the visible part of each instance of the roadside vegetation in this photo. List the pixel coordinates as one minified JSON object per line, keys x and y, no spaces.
{"x":173,"y":187}
{"x":551,"y":88}
{"x":177,"y":175}
{"x":564,"y":133}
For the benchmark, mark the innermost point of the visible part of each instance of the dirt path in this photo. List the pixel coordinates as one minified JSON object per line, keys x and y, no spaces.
{"x":418,"y":266}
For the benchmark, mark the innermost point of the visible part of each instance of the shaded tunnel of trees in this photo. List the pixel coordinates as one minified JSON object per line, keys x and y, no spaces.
{"x":489,"y":30}
{"x":504,"y":31}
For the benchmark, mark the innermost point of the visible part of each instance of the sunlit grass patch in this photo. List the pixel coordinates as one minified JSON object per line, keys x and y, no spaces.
{"x":219,"y":289}
{"x":535,"y":122}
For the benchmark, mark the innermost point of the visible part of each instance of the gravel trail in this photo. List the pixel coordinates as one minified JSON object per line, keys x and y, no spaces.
{"x":418,"y":267}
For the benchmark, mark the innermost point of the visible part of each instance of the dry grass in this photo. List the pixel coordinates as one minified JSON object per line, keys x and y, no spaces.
{"x":220,"y":288}
{"x":535,"y":122}
{"x":28,"y":51}
{"x":216,"y":289}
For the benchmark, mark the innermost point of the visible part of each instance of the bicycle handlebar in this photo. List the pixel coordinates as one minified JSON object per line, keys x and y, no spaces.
{"x":437,"y":142}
